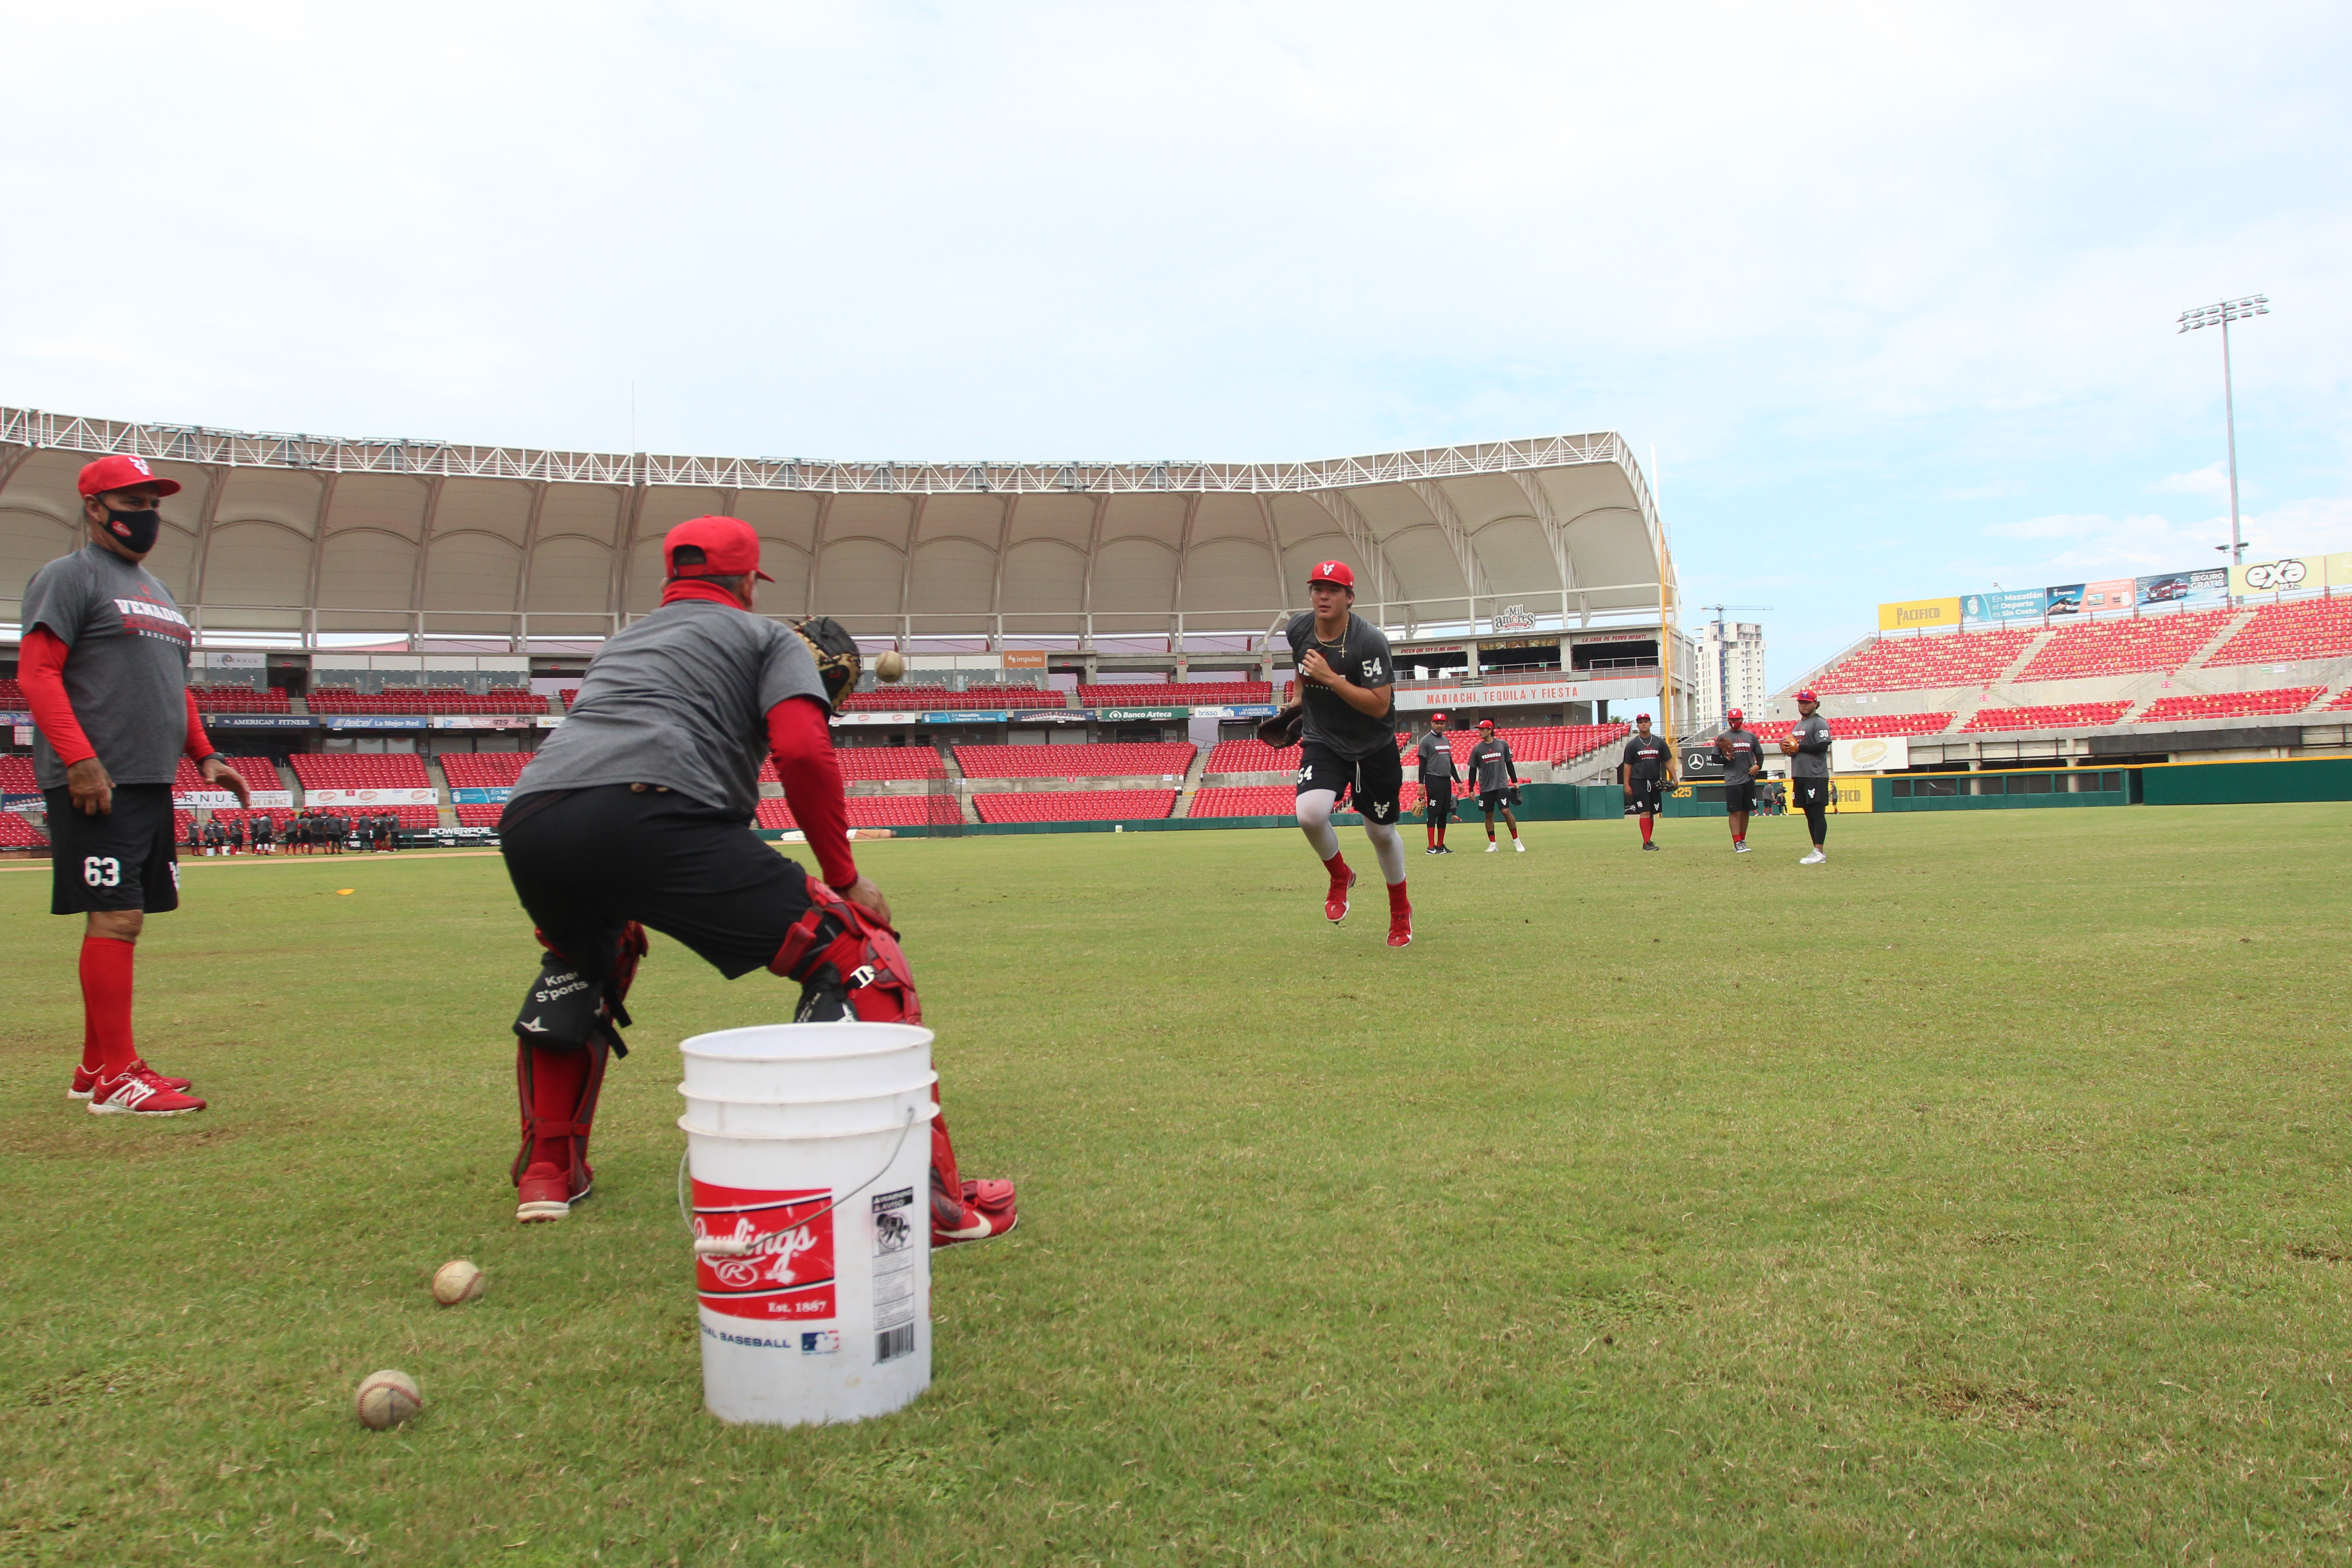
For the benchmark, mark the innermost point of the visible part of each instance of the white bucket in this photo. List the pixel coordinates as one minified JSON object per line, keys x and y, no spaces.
{"x":810,"y":1150}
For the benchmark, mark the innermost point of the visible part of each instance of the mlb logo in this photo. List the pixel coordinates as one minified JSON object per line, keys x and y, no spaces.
{"x":820,"y":1341}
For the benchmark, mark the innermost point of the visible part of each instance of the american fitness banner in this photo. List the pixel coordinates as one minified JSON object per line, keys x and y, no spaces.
{"x":2199,"y":585}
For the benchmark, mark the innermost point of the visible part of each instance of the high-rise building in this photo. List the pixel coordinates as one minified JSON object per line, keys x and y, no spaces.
{"x":1730,"y":670}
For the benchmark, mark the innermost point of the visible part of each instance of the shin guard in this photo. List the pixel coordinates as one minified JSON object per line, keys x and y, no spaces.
{"x":566,"y":1033}
{"x":559,"y":1090}
{"x":848,"y":964}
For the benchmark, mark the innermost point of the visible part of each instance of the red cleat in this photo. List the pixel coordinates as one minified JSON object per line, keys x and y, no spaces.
{"x":1400,"y":927}
{"x":545,"y":1193}
{"x":1335,"y":902}
{"x":140,"y":1091}
{"x":988,"y":1212}
{"x":85,"y":1082}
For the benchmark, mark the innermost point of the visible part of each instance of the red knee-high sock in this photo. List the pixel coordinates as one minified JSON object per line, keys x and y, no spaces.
{"x":1429,"y":833}
{"x":1645,"y":830}
{"x":556,"y":1080}
{"x":1337,"y":867}
{"x":1398,"y":903}
{"x":106,"y":965}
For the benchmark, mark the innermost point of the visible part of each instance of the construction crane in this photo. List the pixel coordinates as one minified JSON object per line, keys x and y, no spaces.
{"x":1723,"y":654}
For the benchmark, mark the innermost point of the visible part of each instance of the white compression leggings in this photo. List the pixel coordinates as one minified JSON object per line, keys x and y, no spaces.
{"x":1315,"y":821}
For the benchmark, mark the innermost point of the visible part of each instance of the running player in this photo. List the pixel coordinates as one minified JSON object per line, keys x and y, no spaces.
{"x":104,"y":667}
{"x":1347,"y":681}
{"x":639,"y":810}
{"x":1647,"y":768}
{"x":1743,"y":759}
{"x":1496,"y":774}
{"x":1808,"y":745}
{"x":1438,"y":774}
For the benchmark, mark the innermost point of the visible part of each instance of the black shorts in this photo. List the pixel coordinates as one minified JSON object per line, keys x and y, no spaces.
{"x":1375,"y":782}
{"x":127,"y":859}
{"x":1437,"y":798}
{"x":1739,"y":797}
{"x":585,"y":862}
{"x":1648,"y":797}
{"x":1494,"y":800}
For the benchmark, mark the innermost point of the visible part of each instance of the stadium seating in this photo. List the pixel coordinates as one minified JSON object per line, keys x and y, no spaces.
{"x":863,"y":762}
{"x":1948,"y":658}
{"x":360,"y":770}
{"x":1868,"y":727}
{"x":2340,"y":704}
{"x":2068,"y":716}
{"x":1277,"y":800}
{"x":1191,"y":694}
{"x":482,"y":769}
{"x":12,"y":696}
{"x":1082,"y":805}
{"x":16,"y":776}
{"x":2283,"y":634}
{"x":237,"y":699}
{"x":2230,"y":704}
{"x":478,"y":815}
{"x":2132,"y":647}
{"x":871,"y":811}
{"x":513,"y":700}
{"x":1017,"y":697}
{"x":1532,"y":743}
{"x":258,"y":773}
{"x":1095,"y":760}
{"x":1250,"y":757}
{"x":16,"y":833}
{"x":912,"y":699}
{"x":566,"y":694}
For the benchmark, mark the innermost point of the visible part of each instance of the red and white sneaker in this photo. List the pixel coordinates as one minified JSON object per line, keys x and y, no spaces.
{"x":85,"y":1080}
{"x":1400,"y":927}
{"x":140,"y":1091}
{"x":545,"y":1192}
{"x":1335,"y":900}
{"x":988,"y":1212}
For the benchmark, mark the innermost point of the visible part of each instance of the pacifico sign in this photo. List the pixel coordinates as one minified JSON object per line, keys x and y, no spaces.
{"x":1912,"y":613}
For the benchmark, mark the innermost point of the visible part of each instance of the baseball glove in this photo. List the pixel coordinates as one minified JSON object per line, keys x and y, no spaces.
{"x":1282,"y":731}
{"x":836,"y":651}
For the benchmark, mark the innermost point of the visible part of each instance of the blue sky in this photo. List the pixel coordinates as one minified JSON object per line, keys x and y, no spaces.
{"x":1891,"y":289}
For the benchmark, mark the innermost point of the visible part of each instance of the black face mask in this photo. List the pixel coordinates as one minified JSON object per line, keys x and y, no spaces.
{"x":137,"y":529}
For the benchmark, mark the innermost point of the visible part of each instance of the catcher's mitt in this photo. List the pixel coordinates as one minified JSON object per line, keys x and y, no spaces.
{"x":1282,"y":729}
{"x":836,"y":651}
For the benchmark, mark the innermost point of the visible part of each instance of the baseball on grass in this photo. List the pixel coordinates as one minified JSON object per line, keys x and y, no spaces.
{"x":386,"y":1399}
{"x":889,"y":665}
{"x":459,"y":1279}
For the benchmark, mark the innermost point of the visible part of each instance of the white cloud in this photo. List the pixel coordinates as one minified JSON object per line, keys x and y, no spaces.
{"x":2211,"y":482}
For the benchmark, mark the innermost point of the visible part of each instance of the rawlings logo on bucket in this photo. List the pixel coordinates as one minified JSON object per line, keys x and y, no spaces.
{"x":785,"y":1270}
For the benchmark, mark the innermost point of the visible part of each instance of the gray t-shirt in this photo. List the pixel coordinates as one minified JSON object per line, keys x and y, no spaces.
{"x":1491,"y":765}
{"x":1812,"y":758}
{"x":126,"y":668}
{"x":1436,"y":754}
{"x":1361,"y":658}
{"x":1742,"y":755}
{"x":679,"y":698}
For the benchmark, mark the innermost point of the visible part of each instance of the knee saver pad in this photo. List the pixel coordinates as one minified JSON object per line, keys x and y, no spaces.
{"x":571,"y":1003}
{"x":849,"y":966}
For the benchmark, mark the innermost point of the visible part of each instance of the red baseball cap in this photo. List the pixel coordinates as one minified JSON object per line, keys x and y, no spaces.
{"x":730,"y":548}
{"x":119,"y":472}
{"x":1808,"y":695}
{"x":1437,"y":718}
{"x":1485,"y":723}
{"x":1735,"y":715}
{"x":1641,"y":718}
{"x":1333,"y":571}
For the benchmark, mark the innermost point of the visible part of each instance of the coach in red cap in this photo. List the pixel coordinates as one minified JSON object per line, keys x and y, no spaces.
{"x":637,"y":812}
{"x":104,"y":665}
{"x":1347,"y":682}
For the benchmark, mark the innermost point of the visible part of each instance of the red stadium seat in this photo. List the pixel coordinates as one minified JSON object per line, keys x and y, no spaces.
{"x":1141,"y":759}
{"x":2230,"y":704}
{"x":1082,"y":805}
{"x":869,"y":762}
{"x":237,"y":698}
{"x":2132,"y":647}
{"x":2291,"y":632}
{"x":2068,"y":716}
{"x":16,"y":833}
{"x":360,"y":770}
{"x":478,"y":815}
{"x":1187,"y":694}
{"x":482,"y":769}
{"x":16,"y":776}
{"x":1927,"y":661}
{"x":1250,"y":757}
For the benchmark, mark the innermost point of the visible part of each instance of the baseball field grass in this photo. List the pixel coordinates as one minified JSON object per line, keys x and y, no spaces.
{"x":1978,"y":1197}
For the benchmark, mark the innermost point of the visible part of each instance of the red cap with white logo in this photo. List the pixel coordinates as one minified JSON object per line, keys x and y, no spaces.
{"x":1333,"y":571}
{"x":1735,"y":715}
{"x":119,"y":472}
{"x":730,"y":548}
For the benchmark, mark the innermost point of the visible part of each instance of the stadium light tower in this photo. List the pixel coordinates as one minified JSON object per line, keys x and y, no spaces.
{"x":2220,"y":316}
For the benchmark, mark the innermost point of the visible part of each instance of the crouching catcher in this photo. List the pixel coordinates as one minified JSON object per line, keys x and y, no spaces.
{"x":636,"y":814}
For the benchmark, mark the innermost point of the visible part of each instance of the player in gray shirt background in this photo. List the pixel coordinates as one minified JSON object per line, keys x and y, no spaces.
{"x":1434,"y":757}
{"x":1808,"y":745}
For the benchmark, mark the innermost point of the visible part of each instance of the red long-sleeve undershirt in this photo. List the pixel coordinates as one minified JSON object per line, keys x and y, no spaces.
{"x":797,"y":733}
{"x":41,"y":672}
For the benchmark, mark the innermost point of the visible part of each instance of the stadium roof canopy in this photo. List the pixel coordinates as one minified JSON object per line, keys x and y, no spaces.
{"x":301,"y":537}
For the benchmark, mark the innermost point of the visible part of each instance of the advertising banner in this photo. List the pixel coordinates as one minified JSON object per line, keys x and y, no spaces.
{"x":480,"y":721}
{"x":482,"y":796}
{"x":373,"y":720}
{"x":221,"y":800}
{"x":369,"y":798}
{"x":2005,"y":605}
{"x":1874,"y":754}
{"x":1912,"y":613}
{"x":2340,"y":570}
{"x":2289,"y":574}
{"x":22,"y":734}
{"x":2184,"y":587}
{"x":1024,"y":659}
{"x":1050,"y":716}
{"x":1141,"y":715}
{"x":1850,"y":794}
{"x":877,"y":717}
{"x":260,"y":721}
{"x":2065,"y":599}
{"x":2105,"y":598}
{"x":965,"y":716}
{"x":549,"y":721}
{"x":21,"y":802}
